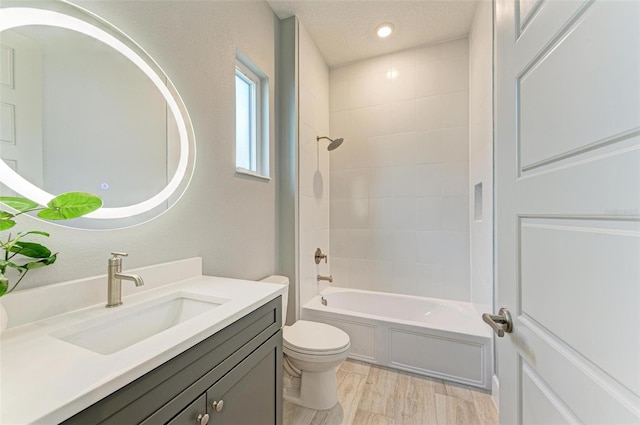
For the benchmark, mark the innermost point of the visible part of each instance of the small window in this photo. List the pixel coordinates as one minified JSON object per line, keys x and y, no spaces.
{"x":252,"y":133}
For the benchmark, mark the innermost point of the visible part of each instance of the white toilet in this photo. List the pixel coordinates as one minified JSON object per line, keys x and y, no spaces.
{"x":313,"y":352}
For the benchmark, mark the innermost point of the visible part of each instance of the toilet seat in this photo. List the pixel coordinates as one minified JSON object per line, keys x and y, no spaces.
{"x":313,"y":338}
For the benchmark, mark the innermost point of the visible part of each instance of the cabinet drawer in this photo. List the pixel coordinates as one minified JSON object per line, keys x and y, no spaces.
{"x":164,"y":391}
{"x":189,"y":416}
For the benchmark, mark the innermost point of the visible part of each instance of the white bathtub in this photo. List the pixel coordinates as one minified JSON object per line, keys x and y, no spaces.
{"x":439,"y":338}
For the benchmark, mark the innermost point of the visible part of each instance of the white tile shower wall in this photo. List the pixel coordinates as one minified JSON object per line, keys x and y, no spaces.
{"x":481,"y":155}
{"x":399,"y":182}
{"x":313,"y":164}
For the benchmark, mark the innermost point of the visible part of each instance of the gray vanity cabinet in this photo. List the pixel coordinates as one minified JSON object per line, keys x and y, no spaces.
{"x":241,"y":365}
{"x":247,"y":393}
{"x":244,"y":396}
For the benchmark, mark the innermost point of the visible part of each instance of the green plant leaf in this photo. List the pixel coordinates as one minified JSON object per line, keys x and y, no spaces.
{"x":4,"y":285}
{"x":4,"y":264}
{"x":32,"y":232}
{"x":20,"y":204}
{"x":30,"y":249}
{"x":6,"y":220}
{"x":41,"y":263}
{"x":9,"y":246}
{"x":70,"y":205}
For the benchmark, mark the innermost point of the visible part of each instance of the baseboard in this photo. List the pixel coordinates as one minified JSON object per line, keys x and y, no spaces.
{"x":495,"y":392}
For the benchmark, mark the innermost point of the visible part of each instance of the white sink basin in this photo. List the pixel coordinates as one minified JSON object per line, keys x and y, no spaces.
{"x":120,"y":329}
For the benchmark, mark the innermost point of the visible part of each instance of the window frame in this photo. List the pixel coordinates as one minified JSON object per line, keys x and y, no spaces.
{"x":258,"y":118}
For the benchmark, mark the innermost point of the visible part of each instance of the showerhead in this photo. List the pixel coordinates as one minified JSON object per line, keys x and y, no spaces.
{"x":334,"y":143}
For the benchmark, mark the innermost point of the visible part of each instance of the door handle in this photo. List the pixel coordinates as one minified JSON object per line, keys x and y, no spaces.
{"x":500,"y":323}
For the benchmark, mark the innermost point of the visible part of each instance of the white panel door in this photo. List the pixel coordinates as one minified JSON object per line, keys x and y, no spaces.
{"x":568,"y":210}
{"x":21,"y":107}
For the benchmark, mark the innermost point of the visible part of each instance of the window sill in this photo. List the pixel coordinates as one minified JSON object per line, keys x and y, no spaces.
{"x":244,"y":171}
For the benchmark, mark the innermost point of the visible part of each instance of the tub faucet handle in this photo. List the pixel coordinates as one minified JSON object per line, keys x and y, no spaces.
{"x":320,"y":256}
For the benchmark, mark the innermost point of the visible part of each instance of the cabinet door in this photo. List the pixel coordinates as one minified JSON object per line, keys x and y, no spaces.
{"x":251,"y":393}
{"x":192,"y":414}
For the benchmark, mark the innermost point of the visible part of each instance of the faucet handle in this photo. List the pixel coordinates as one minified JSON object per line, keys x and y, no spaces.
{"x":117,"y":254}
{"x":318,"y":256}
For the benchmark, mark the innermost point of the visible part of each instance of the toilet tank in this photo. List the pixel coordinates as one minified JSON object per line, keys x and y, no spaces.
{"x":280,"y":280}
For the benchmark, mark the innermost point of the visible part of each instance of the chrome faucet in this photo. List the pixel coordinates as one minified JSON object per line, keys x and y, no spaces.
{"x":327,"y":278}
{"x":115,"y":277}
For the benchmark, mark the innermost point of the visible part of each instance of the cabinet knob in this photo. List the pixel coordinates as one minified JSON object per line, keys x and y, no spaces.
{"x":203,"y":419}
{"x":218,"y":405}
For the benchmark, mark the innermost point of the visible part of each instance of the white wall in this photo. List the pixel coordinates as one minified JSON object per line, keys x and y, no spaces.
{"x":481,"y":155}
{"x":226,"y":218}
{"x":287,"y":153}
{"x":399,"y":201}
{"x":313,"y":164}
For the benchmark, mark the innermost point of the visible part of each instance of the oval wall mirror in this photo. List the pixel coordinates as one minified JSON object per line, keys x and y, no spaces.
{"x":84,"y":108}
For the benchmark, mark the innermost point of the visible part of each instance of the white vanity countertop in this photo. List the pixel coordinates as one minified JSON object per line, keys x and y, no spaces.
{"x":47,"y":380}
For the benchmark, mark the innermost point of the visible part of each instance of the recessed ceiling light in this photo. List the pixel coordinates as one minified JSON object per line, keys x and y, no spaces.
{"x":384,"y":30}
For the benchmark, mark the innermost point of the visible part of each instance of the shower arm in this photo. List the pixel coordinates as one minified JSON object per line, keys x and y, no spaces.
{"x":334,"y":142}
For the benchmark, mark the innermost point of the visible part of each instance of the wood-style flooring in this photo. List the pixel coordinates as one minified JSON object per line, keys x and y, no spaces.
{"x":373,"y":395}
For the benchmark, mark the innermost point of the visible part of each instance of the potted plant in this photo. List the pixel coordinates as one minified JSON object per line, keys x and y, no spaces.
{"x":22,"y":255}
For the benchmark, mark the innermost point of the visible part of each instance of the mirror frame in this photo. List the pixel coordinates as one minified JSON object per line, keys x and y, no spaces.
{"x":68,"y":16}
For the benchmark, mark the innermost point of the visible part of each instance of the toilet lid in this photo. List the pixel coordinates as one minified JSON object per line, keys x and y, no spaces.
{"x":314,"y":338}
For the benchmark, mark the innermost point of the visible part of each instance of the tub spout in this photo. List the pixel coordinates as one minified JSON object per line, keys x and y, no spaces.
{"x":327,"y":278}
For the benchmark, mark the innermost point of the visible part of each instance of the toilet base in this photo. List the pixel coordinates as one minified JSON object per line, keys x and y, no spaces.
{"x":318,"y":390}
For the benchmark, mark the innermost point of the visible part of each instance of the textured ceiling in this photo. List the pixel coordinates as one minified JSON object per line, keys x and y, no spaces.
{"x":344,"y":31}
